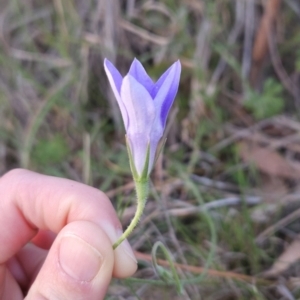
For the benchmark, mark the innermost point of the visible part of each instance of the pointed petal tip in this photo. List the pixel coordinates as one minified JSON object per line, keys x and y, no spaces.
{"x":175,"y":70}
{"x":177,"y":64}
{"x":114,"y":77}
{"x":110,"y":68}
{"x":136,"y":62}
{"x":107,"y":63}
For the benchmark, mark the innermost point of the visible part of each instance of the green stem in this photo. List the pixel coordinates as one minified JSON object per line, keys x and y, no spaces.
{"x":142,"y":190}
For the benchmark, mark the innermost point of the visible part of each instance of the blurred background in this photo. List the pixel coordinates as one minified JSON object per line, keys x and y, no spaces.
{"x":224,"y":196}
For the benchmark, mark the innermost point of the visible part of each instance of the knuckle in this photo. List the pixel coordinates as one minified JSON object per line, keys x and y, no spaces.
{"x":14,"y":173}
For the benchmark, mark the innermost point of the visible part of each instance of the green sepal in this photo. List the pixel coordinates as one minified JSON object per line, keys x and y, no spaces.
{"x":131,"y":162}
{"x":144,"y":176}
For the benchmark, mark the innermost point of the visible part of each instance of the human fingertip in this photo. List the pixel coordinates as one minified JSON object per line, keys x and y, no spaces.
{"x":125,"y":261}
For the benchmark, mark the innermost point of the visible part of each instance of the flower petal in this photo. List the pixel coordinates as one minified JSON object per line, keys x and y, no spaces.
{"x":115,"y":80}
{"x":138,"y":144}
{"x":144,"y":107}
{"x":166,"y":89}
{"x":141,"y":113}
{"x":139,"y":106}
{"x":153,"y":147}
{"x":138,"y":72}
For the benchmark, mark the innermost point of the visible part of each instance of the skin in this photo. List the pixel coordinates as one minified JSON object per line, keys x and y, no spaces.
{"x":56,"y":239}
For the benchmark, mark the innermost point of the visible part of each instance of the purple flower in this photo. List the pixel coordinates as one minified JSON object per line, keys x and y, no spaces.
{"x":144,"y":107}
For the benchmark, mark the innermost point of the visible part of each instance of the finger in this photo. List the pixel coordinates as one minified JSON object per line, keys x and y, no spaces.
{"x":9,"y":288}
{"x":79,"y":265}
{"x":26,"y":264}
{"x":31,"y":201}
{"x":44,"y":239}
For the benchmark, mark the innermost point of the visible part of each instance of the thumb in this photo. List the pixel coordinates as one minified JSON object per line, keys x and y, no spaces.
{"x":79,"y":265}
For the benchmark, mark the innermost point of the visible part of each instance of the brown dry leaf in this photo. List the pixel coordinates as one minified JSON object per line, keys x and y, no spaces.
{"x":272,"y":188}
{"x":294,"y":282}
{"x":285,"y":260}
{"x":260,"y":48}
{"x":268,"y":161}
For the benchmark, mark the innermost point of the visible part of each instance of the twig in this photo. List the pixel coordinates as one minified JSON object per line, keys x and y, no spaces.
{"x":260,"y":49}
{"x":283,"y":222}
{"x":279,"y":69}
{"x":233,"y":35}
{"x":187,"y":211}
{"x":38,"y":57}
{"x":124,"y":188}
{"x":288,"y":122}
{"x":210,"y":272}
{"x":248,"y":41}
{"x":201,"y":58}
{"x":283,"y":290}
{"x":294,"y":5}
{"x":214,"y":184}
{"x":240,"y":134}
{"x":146,"y":35}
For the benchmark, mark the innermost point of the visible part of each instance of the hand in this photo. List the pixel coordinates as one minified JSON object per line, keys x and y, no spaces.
{"x":56,"y":239}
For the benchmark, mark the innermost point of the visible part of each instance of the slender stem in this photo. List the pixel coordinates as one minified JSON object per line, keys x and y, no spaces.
{"x":142,"y":190}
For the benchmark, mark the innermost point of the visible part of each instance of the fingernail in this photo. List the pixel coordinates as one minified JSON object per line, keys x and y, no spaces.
{"x":124,"y":247}
{"x":78,"y":259}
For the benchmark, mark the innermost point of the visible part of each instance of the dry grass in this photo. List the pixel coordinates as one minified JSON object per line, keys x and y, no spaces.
{"x":225,"y":194}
